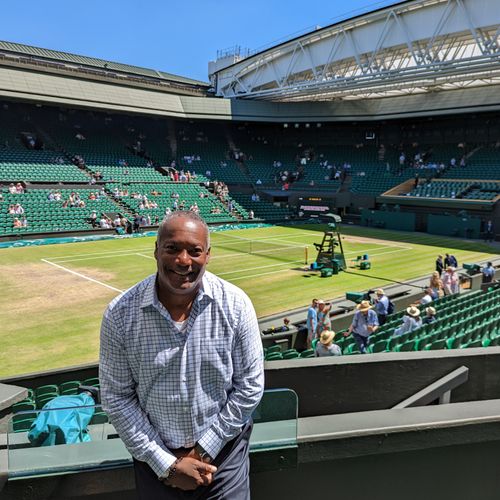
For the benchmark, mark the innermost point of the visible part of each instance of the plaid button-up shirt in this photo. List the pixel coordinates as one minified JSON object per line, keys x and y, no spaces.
{"x":165,"y":389}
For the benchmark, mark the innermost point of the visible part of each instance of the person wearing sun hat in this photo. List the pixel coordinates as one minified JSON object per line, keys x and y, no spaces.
{"x":430,"y":315}
{"x":381,"y":306}
{"x":411,"y":321}
{"x":364,"y":323}
{"x":325,"y":346}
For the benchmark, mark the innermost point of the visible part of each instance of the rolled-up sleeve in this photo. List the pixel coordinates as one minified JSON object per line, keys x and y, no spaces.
{"x":119,"y":400}
{"x":248,"y":383}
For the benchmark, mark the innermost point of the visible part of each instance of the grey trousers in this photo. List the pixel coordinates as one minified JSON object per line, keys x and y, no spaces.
{"x":230,"y":482}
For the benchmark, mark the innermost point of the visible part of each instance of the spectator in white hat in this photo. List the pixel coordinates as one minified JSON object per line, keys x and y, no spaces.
{"x":430,"y":316}
{"x":325,"y":346}
{"x":364,"y":323}
{"x":411,"y":321}
{"x":381,"y":306}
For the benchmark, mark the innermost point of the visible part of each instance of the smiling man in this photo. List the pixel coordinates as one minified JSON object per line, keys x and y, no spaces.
{"x":181,"y":371}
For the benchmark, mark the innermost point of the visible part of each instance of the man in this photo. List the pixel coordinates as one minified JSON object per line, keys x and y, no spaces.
{"x":312,"y":322}
{"x":450,"y":260}
{"x":181,"y":371}
{"x":323,"y":317}
{"x":381,"y":306}
{"x":488,"y":231}
{"x":364,"y":323}
{"x":488,"y":273}
{"x":427,"y":298}
{"x":439,"y":264}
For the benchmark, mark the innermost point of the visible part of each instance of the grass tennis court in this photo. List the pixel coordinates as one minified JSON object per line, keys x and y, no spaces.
{"x":53,"y":296}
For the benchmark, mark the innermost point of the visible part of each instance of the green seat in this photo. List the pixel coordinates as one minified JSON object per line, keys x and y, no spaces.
{"x":46,"y":389}
{"x":23,"y":406}
{"x":44,"y":399}
{"x":379,"y":346}
{"x":22,"y":425}
{"x":69,"y":388}
{"x":93,"y":381}
{"x":290,"y":355}
{"x":409,"y":345}
{"x":308,"y":353}
{"x":314,"y":342}
{"x":273,"y":348}
{"x":437,"y":344}
{"x":274,"y":356}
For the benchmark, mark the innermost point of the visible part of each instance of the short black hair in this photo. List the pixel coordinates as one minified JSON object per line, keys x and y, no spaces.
{"x":188,"y":214}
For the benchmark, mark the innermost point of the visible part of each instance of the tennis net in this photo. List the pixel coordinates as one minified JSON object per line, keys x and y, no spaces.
{"x":269,"y":249}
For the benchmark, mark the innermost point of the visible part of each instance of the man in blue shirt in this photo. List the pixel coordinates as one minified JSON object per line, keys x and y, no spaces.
{"x":312,"y":322}
{"x":181,"y":371}
{"x":381,"y":306}
{"x":488,"y":273}
{"x":364,"y":323}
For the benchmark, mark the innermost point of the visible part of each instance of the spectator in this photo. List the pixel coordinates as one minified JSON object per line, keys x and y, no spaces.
{"x":488,"y":273}
{"x":364,"y":323}
{"x":323,"y":316}
{"x":16,"y":222}
{"x":427,"y":298}
{"x":450,"y":280}
{"x":436,"y":285}
{"x":430,"y":315}
{"x":12,"y":188}
{"x":251,"y":214}
{"x":439,"y":264}
{"x":325,"y":346}
{"x":381,"y":306}
{"x":450,"y":260}
{"x":411,"y":321}
{"x":312,"y":321}
{"x":488,"y":231}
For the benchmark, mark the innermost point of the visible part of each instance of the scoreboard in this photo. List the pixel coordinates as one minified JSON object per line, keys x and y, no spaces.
{"x":314,"y":206}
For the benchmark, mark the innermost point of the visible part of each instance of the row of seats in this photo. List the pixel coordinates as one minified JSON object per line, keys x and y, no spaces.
{"x":25,"y":412}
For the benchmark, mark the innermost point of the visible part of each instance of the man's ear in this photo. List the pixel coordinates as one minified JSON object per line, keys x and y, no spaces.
{"x":156,"y":250}
{"x":208,"y":255}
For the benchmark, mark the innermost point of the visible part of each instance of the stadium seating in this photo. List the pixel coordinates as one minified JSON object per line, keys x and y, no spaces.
{"x":468,"y":320}
{"x":49,"y":216}
{"x":189,"y":193}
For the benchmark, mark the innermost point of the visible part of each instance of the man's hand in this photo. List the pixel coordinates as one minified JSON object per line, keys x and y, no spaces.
{"x":191,"y":473}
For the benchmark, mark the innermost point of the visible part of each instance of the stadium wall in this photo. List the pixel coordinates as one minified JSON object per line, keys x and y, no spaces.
{"x":48,"y":88}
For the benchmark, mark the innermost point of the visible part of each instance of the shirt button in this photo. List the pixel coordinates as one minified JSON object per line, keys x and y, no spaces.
{"x":184,"y":379}
{"x":185,"y":409}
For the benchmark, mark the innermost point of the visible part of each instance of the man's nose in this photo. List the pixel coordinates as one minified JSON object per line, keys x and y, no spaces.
{"x":184,"y":258}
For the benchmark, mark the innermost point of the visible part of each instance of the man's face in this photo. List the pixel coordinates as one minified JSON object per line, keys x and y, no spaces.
{"x":182,"y":254}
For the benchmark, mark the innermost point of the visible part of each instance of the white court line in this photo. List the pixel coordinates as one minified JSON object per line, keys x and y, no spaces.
{"x":63,"y":258}
{"x":88,"y":278}
{"x":145,"y":256}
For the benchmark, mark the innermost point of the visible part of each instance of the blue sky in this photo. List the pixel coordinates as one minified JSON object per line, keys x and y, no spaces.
{"x":179,"y":37}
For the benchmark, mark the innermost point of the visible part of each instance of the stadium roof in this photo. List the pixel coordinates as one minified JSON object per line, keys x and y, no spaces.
{"x":41,"y":54}
{"x":410,"y":47}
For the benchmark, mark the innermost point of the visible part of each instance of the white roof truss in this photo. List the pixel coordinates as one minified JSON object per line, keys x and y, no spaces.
{"x":418,"y":45}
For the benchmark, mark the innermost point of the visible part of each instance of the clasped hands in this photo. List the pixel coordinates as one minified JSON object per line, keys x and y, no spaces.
{"x":191,"y":472}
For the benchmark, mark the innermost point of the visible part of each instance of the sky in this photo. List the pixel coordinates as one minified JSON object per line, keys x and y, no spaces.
{"x":178,"y":37}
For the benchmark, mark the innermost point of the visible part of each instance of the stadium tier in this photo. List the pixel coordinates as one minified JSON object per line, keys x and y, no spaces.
{"x":138,"y":198}
{"x":43,"y":215}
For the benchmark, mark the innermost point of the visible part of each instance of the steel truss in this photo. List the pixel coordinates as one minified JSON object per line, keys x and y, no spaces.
{"x":415,"y":46}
